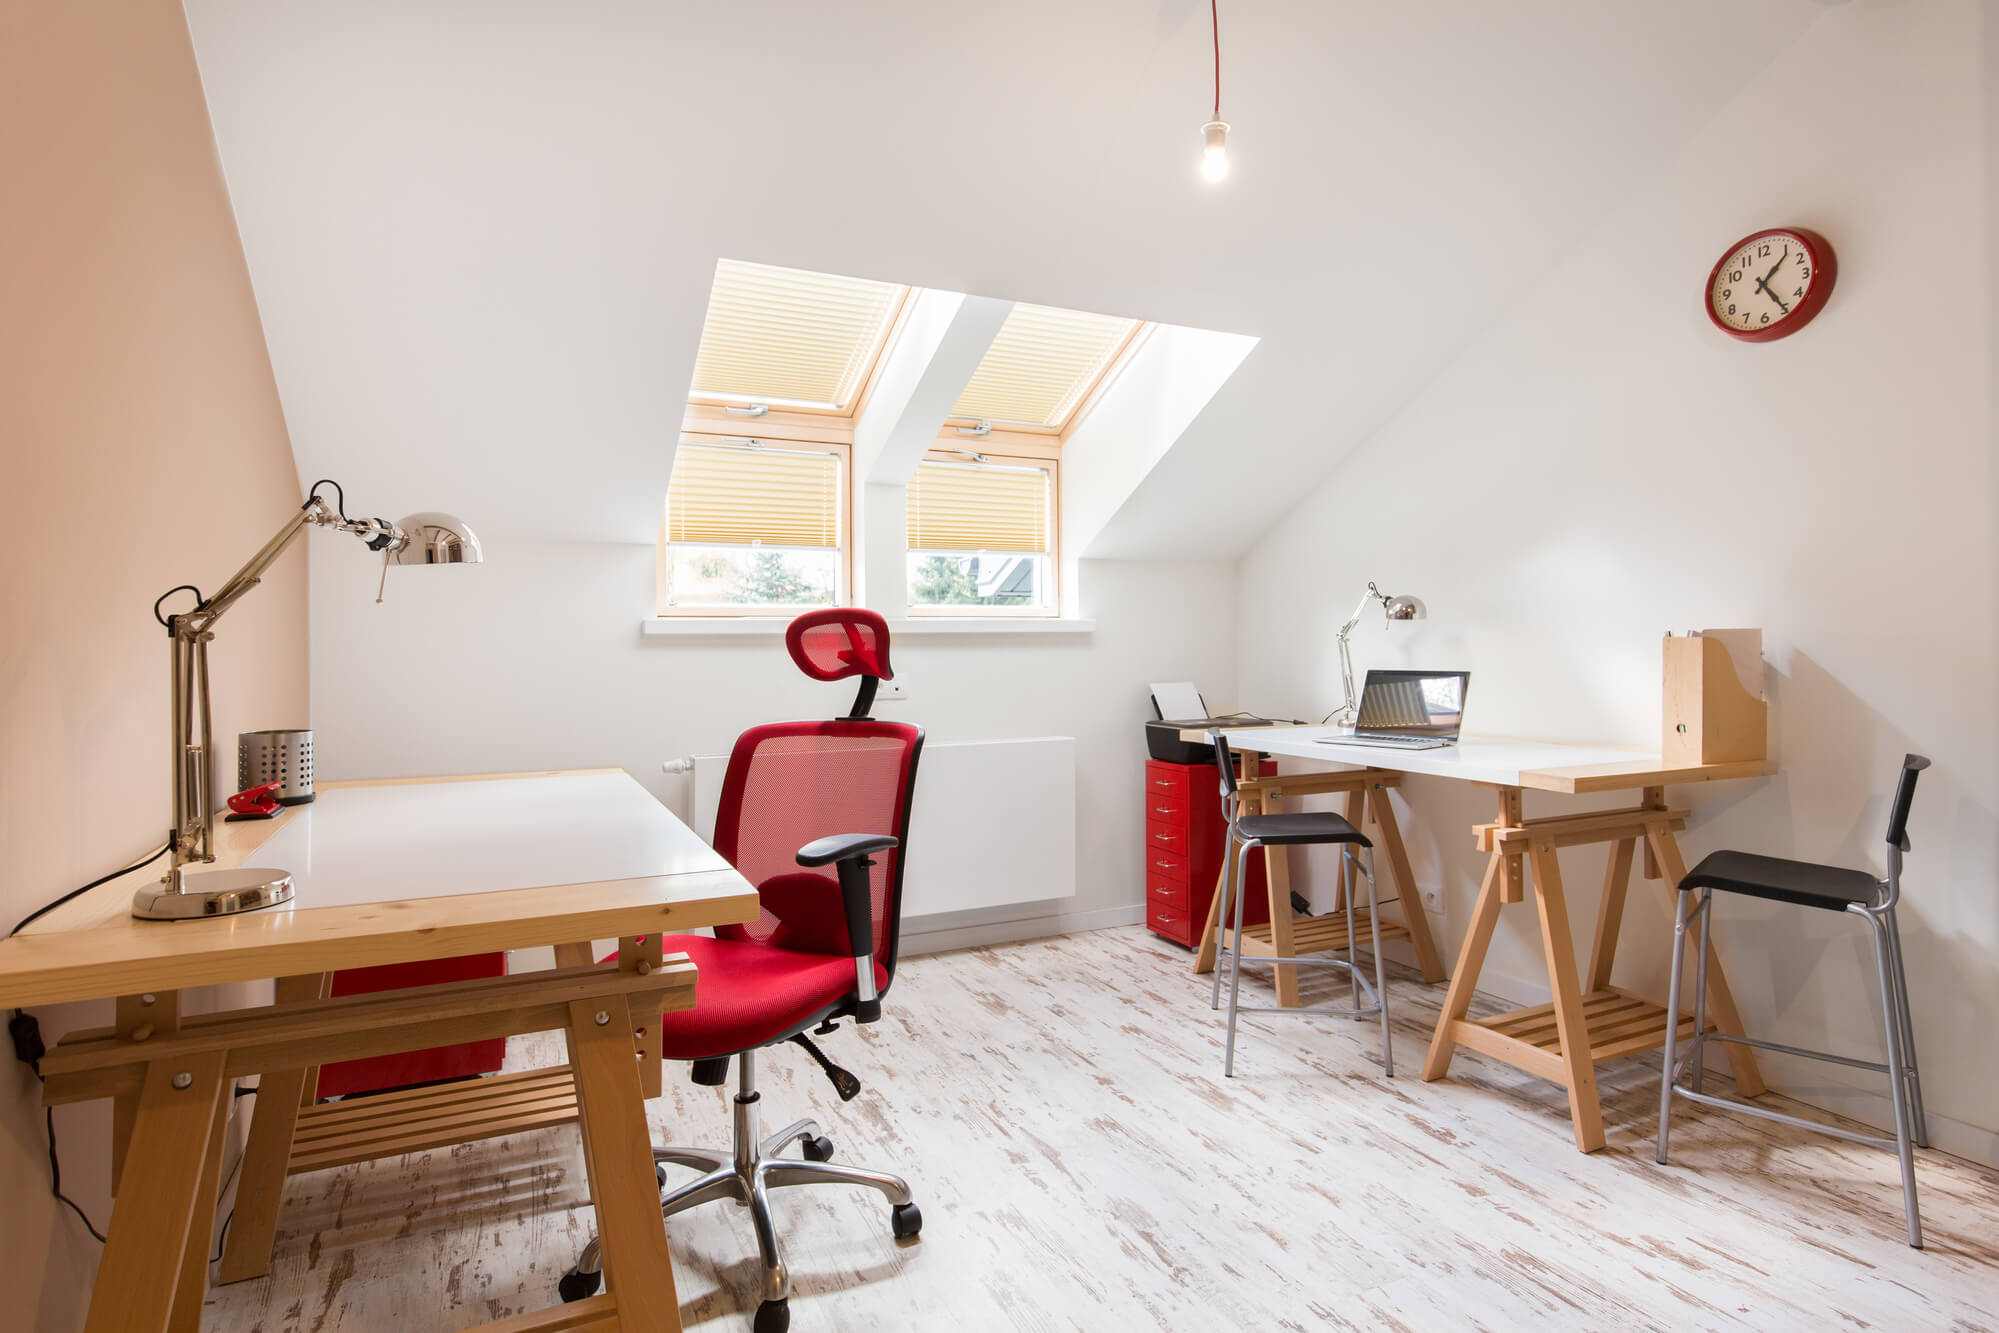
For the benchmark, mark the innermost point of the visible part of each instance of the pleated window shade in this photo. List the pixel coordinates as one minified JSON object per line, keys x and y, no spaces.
{"x":978,"y":507}
{"x":753,"y":497}
{"x":788,"y":337}
{"x":1041,"y":364}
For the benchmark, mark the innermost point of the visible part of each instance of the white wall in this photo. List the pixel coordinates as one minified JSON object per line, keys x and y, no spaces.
{"x":534,"y":660}
{"x":1601,"y":465}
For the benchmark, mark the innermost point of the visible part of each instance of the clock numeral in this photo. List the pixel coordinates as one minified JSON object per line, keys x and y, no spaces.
{"x":1806,"y":276}
{"x":1727,"y":292}
{"x":1766,"y":319}
{"x":1801,"y":257}
{"x":1735,"y":276}
{"x":1798,"y":293}
{"x":1763,"y":250}
{"x":1731,"y":310}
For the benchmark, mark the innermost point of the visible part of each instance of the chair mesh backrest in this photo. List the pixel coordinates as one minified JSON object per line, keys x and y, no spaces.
{"x":792,"y":782}
{"x":1905,"y":796}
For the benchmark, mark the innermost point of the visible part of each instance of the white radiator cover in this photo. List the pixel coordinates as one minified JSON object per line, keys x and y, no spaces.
{"x":994,"y":823}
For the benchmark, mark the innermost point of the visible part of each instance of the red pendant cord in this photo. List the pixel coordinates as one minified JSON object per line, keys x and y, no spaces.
{"x":1215,"y":19}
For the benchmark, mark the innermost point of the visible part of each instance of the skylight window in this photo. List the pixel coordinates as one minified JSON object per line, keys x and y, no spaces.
{"x":1042,"y":366}
{"x":788,"y":338}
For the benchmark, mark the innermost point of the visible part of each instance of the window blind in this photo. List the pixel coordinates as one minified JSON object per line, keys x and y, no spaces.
{"x":1041,"y":364}
{"x":783,"y":335}
{"x":978,"y":507}
{"x":741,"y":497}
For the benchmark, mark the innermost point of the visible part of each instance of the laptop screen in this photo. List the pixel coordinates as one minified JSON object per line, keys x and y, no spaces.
{"x":1412,"y":703}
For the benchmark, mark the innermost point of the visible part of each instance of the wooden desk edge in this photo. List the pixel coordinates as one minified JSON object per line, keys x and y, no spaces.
{"x":1585,"y":778}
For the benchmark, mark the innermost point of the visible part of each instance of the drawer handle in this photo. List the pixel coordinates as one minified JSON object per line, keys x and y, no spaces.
{"x":1162,"y":782}
{"x":1164,"y":865}
{"x":1163,"y":837}
{"x":1164,"y":810}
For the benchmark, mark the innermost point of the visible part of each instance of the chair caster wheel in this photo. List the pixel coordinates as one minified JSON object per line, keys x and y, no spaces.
{"x":819,"y":1149}
{"x":905,"y":1221}
{"x":773,"y":1317}
{"x":659,"y":1175}
{"x":577,"y":1286}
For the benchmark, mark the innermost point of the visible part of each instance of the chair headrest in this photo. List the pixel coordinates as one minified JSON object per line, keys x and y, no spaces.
{"x":839,"y":642}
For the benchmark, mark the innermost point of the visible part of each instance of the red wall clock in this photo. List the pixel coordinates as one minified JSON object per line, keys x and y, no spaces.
{"x":1770,"y":283}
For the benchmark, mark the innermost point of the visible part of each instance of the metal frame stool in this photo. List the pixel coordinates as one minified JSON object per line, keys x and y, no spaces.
{"x":1292,"y":829}
{"x":1830,"y":888}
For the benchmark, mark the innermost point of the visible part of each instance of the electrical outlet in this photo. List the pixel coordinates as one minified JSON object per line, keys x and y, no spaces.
{"x":891,"y":691}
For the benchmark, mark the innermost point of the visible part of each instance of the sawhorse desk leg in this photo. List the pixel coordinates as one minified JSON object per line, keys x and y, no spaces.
{"x":1564,"y":1040}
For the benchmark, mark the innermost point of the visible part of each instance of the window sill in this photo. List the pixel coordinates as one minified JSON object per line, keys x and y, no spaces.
{"x":709,"y":627}
{"x":992,"y":625}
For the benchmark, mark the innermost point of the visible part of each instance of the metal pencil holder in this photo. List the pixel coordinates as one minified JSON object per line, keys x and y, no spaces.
{"x":276,"y":756}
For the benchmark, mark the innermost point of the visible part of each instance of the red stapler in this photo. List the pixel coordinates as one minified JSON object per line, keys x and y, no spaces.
{"x":255,"y":803}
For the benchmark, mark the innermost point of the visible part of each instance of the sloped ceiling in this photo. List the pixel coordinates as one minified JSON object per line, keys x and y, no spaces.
{"x":482,"y":231}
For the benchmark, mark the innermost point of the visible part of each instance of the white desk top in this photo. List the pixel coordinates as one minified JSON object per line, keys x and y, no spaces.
{"x":1496,"y":761}
{"x":399,"y":871}
{"x":431,"y":840}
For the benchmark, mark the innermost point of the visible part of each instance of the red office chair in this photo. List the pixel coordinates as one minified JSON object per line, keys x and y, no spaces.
{"x":799,"y":798}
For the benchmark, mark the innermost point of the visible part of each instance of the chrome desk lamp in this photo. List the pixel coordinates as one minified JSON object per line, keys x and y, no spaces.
{"x":1396,"y":608}
{"x":188,"y":892}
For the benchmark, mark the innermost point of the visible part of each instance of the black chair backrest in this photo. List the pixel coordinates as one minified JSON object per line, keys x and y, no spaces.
{"x":1225,"y":762}
{"x":1905,"y":795}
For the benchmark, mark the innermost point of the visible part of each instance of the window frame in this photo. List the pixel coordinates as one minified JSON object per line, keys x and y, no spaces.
{"x":1028,"y":453}
{"x":898,"y":314}
{"x":842,"y":449}
{"x":1113,"y":366}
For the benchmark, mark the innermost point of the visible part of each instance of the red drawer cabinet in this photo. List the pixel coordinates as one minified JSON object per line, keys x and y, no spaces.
{"x":1184,"y":836}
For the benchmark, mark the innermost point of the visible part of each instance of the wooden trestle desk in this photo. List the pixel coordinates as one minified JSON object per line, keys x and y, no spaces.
{"x":386,"y":872}
{"x":1589,"y":1020}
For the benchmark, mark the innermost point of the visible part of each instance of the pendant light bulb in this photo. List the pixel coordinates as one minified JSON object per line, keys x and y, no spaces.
{"x":1215,"y":157}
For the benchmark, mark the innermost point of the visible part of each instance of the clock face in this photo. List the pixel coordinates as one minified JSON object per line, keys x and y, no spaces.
{"x":1770,"y":284}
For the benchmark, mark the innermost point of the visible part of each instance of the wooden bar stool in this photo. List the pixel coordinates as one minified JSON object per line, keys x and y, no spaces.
{"x":1302,"y":828}
{"x":1829,"y":888}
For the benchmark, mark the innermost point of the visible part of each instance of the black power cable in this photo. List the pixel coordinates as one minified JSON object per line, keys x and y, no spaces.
{"x":27,"y":1036}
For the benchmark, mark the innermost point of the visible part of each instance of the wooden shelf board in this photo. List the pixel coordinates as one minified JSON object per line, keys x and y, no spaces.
{"x":1312,"y":934}
{"x":416,"y":1120}
{"x":1619,"y":1024}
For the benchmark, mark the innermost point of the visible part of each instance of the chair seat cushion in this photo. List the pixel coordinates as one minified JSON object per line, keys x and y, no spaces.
{"x":1301,"y":826}
{"x":1803,"y":883}
{"x":748,"y":995}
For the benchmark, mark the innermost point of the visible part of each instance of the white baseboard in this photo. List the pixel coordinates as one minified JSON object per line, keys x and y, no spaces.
{"x":919,"y":936}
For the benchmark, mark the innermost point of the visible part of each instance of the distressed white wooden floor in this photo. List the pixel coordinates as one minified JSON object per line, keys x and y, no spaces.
{"x":1059,"y":1109}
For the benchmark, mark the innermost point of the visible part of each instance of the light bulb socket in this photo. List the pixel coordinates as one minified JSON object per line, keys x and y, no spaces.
{"x":1216,"y":134}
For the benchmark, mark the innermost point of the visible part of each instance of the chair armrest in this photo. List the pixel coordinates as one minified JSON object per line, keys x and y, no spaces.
{"x":851,"y":852}
{"x":841,"y":846}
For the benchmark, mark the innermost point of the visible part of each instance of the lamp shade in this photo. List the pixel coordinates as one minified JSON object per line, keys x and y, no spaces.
{"x":437,"y":539}
{"x":1406,"y":608}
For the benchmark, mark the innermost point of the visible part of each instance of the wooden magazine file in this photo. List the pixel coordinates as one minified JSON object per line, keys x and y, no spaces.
{"x":1714,"y":711}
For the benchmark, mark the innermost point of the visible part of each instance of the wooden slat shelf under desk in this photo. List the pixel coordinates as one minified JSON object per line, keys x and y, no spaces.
{"x":331,"y":1134}
{"x":1312,"y":934}
{"x":1619,"y":1024}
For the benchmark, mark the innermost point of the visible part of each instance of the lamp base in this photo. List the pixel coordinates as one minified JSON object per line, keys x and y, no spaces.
{"x":185,"y":896}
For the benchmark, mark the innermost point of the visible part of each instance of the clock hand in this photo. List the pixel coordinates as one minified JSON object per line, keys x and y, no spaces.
{"x":1773,"y":296}
{"x":1774,"y":267}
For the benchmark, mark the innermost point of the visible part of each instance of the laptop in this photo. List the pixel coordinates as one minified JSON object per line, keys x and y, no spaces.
{"x":1409,"y":710}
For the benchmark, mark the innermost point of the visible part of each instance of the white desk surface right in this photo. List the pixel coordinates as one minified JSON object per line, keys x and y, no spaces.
{"x":1493,"y":760}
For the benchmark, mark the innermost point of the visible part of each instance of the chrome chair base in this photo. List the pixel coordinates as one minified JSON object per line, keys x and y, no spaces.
{"x":746,"y":1174}
{"x":1234,"y":882}
{"x":1904,"y":1086}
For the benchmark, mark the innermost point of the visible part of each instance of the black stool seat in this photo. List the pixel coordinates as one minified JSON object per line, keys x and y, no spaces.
{"x":1301,"y":826}
{"x":1801,"y":883}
